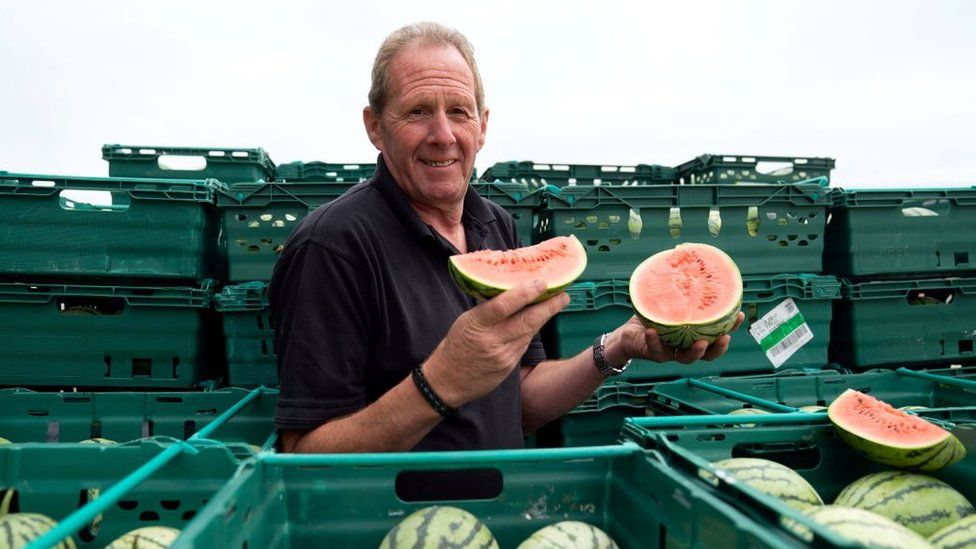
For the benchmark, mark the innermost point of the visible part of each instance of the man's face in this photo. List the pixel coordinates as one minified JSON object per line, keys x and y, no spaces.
{"x":430,"y":129}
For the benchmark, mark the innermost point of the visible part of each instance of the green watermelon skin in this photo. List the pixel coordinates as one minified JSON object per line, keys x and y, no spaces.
{"x":149,"y":537}
{"x":439,"y":527}
{"x":961,"y":535}
{"x":867,"y":528}
{"x":569,"y":533}
{"x":920,"y":503}
{"x":774,"y":479}
{"x":18,"y":530}
{"x":683,"y":336}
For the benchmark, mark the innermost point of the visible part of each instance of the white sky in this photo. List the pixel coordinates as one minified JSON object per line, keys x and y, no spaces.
{"x":886,"y":88}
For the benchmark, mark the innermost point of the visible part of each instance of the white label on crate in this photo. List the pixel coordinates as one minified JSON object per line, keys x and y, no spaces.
{"x":781,"y":332}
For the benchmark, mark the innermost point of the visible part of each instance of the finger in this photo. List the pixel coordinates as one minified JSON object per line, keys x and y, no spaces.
{"x":656,"y":349}
{"x":693,"y":353}
{"x":717,"y":348}
{"x":507,"y":303}
{"x":529,"y":320}
{"x":738,"y":321}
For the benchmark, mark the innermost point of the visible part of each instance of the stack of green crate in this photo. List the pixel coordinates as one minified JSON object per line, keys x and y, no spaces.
{"x":908,"y":259}
{"x":773,"y":231}
{"x":738,"y":169}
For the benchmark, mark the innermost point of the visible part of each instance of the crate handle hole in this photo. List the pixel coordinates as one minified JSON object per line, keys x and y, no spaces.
{"x":189,"y":514}
{"x":795,"y":455}
{"x":254,"y":248}
{"x":962,"y":258}
{"x":449,"y":485}
{"x":149,"y":516}
{"x":926,"y":207}
{"x":80,"y":200}
{"x":141,"y":367}
{"x":752,"y":220}
{"x":128,"y":504}
{"x":183,"y":163}
{"x":930,"y":297}
{"x":108,"y":365}
{"x":774,"y":168}
{"x":803,"y":243}
{"x":965,"y":346}
{"x":91,"y":306}
{"x":714,"y":221}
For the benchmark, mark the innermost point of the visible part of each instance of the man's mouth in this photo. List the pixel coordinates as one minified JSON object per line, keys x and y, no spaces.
{"x":442,"y":164}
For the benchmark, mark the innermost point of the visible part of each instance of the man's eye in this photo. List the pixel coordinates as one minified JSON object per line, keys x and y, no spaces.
{"x":418,"y":111}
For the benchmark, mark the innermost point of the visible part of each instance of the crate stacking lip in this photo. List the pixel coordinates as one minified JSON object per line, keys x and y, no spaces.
{"x":737,"y":169}
{"x":65,"y":417}
{"x":765,"y":228}
{"x":945,"y":388}
{"x":539,"y":175}
{"x":805,"y":442}
{"x":248,"y":335}
{"x":596,"y":307}
{"x":74,"y":335}
{"x":272,"y":502}
{"x":923,"y":321}
{"x":918,"y":232}
{"x":229,"y":165}
{"x":324,"y":171}
{"x":125,"y":228}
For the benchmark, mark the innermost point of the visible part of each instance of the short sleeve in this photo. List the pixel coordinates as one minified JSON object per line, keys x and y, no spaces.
{"x":318,"y":301}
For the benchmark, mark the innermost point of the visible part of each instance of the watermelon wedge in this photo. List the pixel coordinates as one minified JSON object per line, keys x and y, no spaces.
{"x":486,"y":273}
{"x":691,"y":292}
{"x":887,"y":435}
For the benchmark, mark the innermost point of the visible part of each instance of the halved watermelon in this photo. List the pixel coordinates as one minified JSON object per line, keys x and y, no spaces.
{"x":691,"y":292}
{"x":486,"y":273}
{"x":887,"y":435}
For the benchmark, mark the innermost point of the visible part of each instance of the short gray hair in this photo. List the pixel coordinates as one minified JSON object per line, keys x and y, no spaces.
{"x":426,"y":33}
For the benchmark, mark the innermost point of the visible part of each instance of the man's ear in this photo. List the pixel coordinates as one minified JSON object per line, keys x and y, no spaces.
{"x":484,"y":129}
{"x":372,"y":123}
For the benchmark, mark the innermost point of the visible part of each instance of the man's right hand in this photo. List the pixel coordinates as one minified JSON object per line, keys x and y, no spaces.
{"x":487,"y":342}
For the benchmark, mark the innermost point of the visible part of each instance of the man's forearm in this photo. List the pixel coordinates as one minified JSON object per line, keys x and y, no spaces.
{"x":396,"y":422}
{"x":554,"y":387}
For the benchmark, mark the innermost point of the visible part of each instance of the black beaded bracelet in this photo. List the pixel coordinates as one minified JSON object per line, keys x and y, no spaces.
{"x":430,"y":396}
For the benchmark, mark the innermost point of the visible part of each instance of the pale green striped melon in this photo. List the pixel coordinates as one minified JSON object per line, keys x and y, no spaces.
{"x":812,"y":409}
{"x":691,"y":292}
{"x":890,"y":436}
{"x":439,"y":527}
{"x":18,"y":530}
{"x":147,"y":537}
{"x":484,"y":274}
{"x":748,"y":412}
{"x":920,"y":503}
{"x":569,"y":533}
{"x":99,"y":441}
{"x":961,"y":535}
{"x":774,"y":479}
{"x":866,"y":528}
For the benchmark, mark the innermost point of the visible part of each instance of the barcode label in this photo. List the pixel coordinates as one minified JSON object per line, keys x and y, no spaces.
{"x":781,"y":332}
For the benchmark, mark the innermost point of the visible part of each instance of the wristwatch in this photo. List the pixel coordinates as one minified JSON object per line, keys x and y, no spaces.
{"x":600,"y":358}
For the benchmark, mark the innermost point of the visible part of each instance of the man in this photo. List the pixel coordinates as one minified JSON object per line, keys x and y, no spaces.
{"x":378,"y":349}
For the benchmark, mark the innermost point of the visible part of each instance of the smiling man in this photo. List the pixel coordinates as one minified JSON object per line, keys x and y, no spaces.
{"x":378,"y":350}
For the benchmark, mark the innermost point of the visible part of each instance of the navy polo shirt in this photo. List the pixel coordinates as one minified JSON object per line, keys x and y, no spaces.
{"x":362,"y":294}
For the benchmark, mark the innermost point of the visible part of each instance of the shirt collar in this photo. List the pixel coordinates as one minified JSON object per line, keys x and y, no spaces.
{"x":476,"y":213}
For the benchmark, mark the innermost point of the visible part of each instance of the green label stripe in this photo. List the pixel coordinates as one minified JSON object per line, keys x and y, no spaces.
{"x":781,"y":332}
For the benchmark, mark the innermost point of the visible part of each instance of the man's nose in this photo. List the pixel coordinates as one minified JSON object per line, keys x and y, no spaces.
{"x":440,"y":132}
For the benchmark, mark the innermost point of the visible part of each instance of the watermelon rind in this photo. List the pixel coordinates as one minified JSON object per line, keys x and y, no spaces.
{"x":569,"y":533}
{"x":684,"y":335}
{"x":920,"y":503}
{"x":18,"y":530}
{"x":439,"y":526}
{"x":147,"y":537}
{"x":913,"y":457}
{"x":478,"y":288}
{"x":866,"y":527}
{"x":961,"y":535}
{"x":774,"y":479}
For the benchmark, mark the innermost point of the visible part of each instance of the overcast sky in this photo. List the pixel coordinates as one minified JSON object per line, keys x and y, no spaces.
{"x":886,"y":88}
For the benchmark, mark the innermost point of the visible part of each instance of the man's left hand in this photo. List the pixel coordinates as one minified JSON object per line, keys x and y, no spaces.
{"x":636,"y":341}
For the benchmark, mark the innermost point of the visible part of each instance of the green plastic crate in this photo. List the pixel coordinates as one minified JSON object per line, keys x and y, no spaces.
{"x":104,"y":336}
{"x":713,"y":395}
{"x":259,"y":217}
{"x":29,"y":416}
{"x":523,"y":202}
{"x":735,"y":169}
{"x":323,"y":171}
{"x":56,"y":480}
{"x":227,"y":165}
{"x":902,"y":231}
{"x":136,"y":228}
{"x":598,"y":307}
{"x":812,"y":448}
{"x":351,"y":501}
{"x":921,"y":321}
{"x":538,"y":175}
{"x":248,"y":335}
{"x":766,"y":229}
